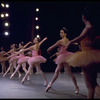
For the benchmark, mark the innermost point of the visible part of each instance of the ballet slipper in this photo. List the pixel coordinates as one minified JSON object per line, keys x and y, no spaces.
{"x":22,"y":82}
{"x":11,"y":76}
{"x":4,"y":75}
{"x":28,"y":78}
{"x":19,"y":75}
{"x":77,"y":90}
{"x":45,"y":84}
{"x":48,"y":87}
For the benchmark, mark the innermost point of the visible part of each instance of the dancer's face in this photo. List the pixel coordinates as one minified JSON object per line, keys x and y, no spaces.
{"x":20,"y":46}
{"x":62,"y":34}
{"x":36,"y":40}
{"x":13,"y":46}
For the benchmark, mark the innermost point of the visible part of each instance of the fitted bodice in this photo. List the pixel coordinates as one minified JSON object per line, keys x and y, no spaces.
{"x":34,"y":53}
{"x":21,"y":54}
{"x":88,"y":41}
{"x":62,"y":49}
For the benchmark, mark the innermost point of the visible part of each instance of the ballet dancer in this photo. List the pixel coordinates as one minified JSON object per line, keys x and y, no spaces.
{"x":12,"y":61}
{"x":36,"y":59}
{"x":22,"y":59}
{"x":61,"y":59}
{"x":88,"y":58}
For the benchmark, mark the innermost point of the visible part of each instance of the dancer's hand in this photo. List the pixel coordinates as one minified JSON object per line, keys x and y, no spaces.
{"x":48,"y":50}
{"x":45,"y":38}
{"x":30,"y":42}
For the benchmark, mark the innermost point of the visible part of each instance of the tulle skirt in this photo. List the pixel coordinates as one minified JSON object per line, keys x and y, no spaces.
{"x":36,"y":59}
{"x":23,"y":59}
{"x":13,"y":58}
{"x":84,"y":58}
{"x":63,"y":57}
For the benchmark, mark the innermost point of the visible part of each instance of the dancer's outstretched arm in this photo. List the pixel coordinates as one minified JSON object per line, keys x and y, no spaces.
{"x":80,"y":37}
{"x":8,"y":52}
{"x":42,"y":41}
{"x":53,"y":46}
{"x":56,"y":54}
{"x":27,"y":44}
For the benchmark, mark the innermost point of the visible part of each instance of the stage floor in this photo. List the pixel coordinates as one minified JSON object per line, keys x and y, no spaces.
{"x":63,"y":88}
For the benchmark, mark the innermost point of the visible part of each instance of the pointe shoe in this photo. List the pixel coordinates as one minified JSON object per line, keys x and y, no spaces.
{"x":45,"y":84}
{"x":11,"y":76}
{"x":19,"y":75}
{"x":3,"y":75}
{"x":28,"y":78}
{"x":22,"y":82}
{"x":77,"y":90}
{"x":48,"y":87}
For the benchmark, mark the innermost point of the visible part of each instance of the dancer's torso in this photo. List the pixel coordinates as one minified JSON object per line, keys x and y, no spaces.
{"x":88,"y":41}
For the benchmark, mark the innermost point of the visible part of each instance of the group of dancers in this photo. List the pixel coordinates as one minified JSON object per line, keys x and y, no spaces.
{"x":18,"y":57}
{"x":87,"y":58}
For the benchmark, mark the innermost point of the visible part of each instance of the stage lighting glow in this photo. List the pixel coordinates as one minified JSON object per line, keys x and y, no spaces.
{"x":7,"y":5}
{"x":37,"y":9}
{"x":37,"y":27}
{"x":36,"y":18}
{"x":38,"y":36}
{"x":2,"y":15}
{"x":2,"y":4}
{"x":6,"y":24}
{"x":6,"y":33}
{"x":6,"y":14}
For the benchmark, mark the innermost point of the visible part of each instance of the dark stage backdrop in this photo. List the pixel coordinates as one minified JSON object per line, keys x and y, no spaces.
{"x":53,"y":15}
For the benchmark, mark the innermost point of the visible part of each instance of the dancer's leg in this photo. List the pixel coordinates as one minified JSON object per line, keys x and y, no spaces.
{"x":10,"y":66}
{"x":28,"y":72}
{"x":25,"y":70}
{"x":17,"y":68}
{"x":42,"y":73}
{"x":55,"y":76}
{"x":69,"y":72}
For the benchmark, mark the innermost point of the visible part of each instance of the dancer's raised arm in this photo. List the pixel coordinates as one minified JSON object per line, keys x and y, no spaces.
{"x":27,"y":44}
{"x":43,"y":40}
{"x":8,"y":52}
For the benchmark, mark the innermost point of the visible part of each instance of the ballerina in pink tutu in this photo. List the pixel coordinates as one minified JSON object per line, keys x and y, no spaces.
{"x":61,"y":59}
{"x":12,"y":61}
{"x":36,"y":60}
{"x":22,"y":59}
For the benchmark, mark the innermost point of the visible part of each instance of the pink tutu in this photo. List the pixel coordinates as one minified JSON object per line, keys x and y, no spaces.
{"x":36,"y":59}
{"x":13,"y":58}
{"x":64,"y":54}
{"x":23,"y":59}
{"x":63,"y":57}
